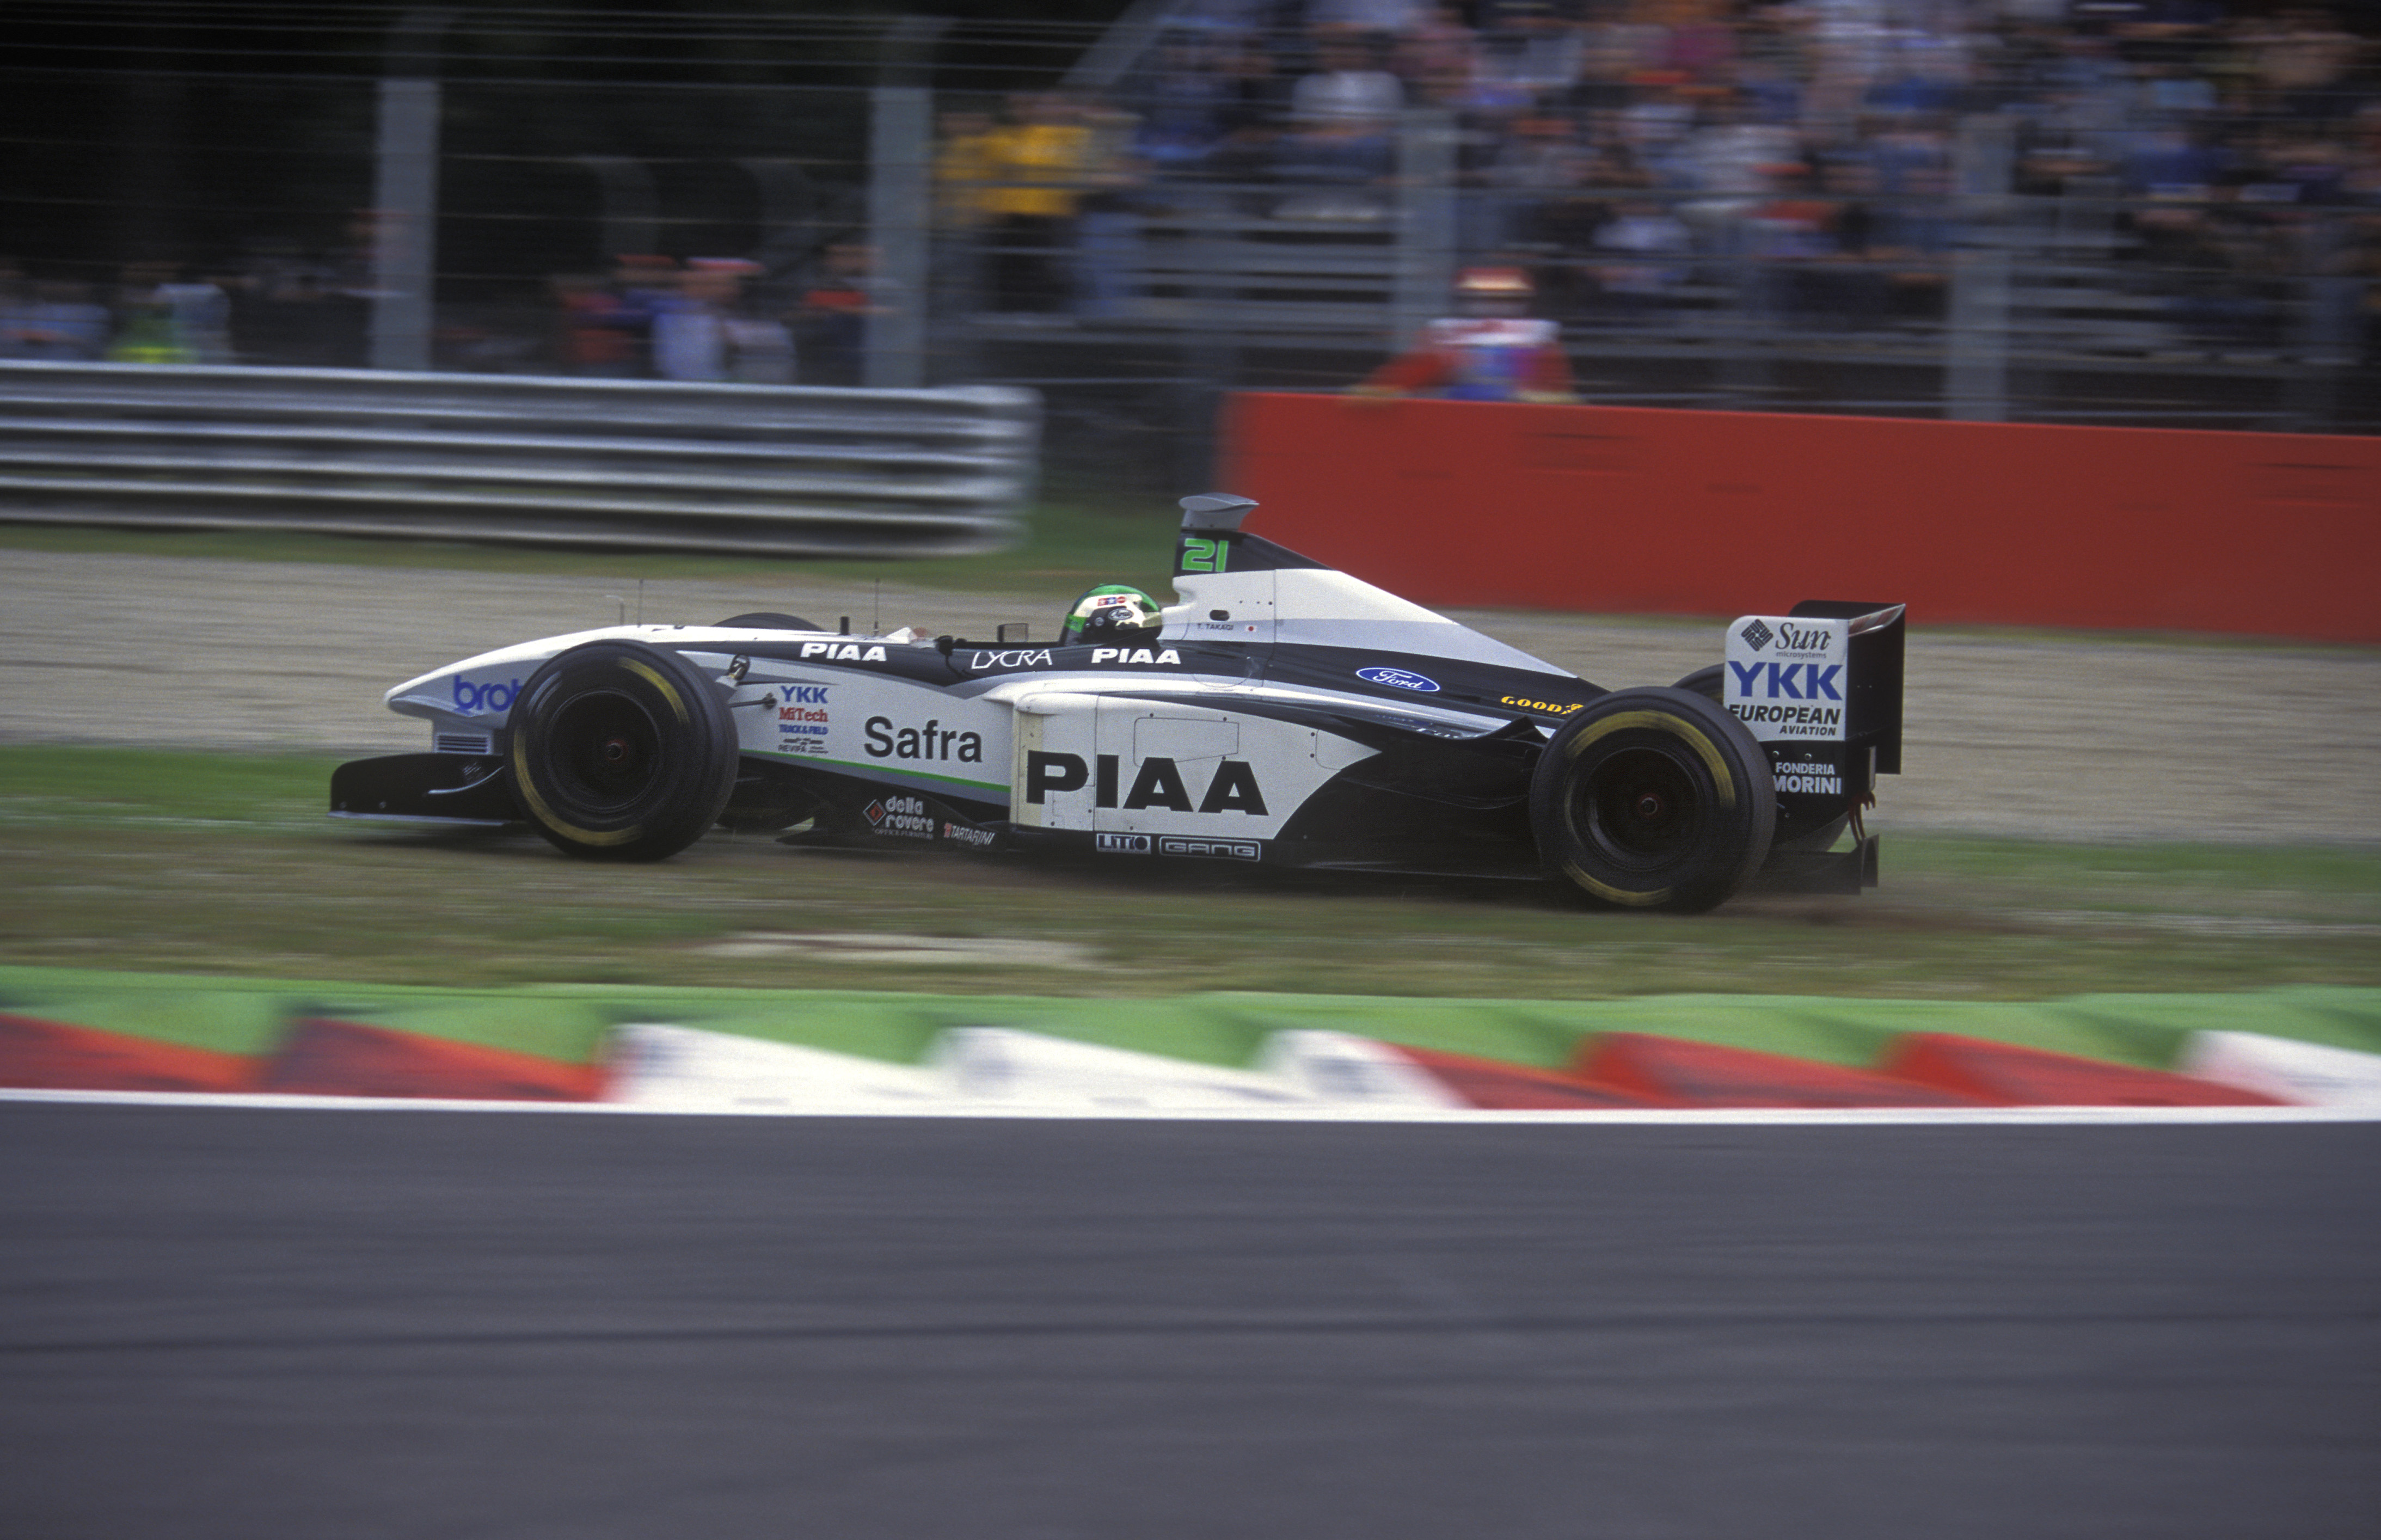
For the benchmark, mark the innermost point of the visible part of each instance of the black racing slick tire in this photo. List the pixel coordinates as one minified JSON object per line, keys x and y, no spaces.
{"x":1653,"y":799}
{"x":1711,"y":683}
{"x":620,"y":751}
{"x":1708,"y":682}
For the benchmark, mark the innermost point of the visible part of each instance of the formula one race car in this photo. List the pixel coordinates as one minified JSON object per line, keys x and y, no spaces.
{"x":1281,"y":714}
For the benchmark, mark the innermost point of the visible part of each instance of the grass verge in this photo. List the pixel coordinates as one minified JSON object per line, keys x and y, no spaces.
{"x":224,"y":865}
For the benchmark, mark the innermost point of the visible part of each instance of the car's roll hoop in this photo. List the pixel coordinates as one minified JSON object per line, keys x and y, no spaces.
{"x":1210,"y":511}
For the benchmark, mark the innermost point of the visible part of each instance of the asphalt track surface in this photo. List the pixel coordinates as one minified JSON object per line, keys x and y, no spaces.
{"x":323,"y":1324}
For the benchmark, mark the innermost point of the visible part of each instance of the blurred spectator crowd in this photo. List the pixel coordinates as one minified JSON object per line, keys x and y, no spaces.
{"x":2225,"y":157}
{"x":703,"y":318}
{"x":1616,"y":147}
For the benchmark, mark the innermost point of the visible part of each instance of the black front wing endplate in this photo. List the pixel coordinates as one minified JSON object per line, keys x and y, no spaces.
{"x":444,"y":788}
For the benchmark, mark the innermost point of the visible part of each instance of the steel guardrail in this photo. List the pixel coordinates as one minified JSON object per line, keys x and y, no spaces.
{"x":767,"y":469}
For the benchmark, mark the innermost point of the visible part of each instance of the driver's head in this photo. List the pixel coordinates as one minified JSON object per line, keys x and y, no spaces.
{"x":1112,"y":615}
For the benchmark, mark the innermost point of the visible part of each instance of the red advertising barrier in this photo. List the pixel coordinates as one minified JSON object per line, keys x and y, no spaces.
{"x":1636,"y":510}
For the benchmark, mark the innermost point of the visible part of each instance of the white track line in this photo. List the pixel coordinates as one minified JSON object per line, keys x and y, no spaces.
{"x":1879,"y":1116}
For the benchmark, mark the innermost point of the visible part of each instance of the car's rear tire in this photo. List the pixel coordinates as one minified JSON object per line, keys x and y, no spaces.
{"x":1709,"y":682}
{"x":620,"y":751}
{"x":1712,"y":684}
{"x":1653,"y":799}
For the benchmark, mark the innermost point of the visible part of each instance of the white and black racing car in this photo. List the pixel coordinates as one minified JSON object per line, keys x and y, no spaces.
{"x":1280,"y":714}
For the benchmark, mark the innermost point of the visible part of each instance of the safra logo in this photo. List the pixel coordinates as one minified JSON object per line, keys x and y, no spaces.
{"x":843,"y":651}
{"x":932,"y":742}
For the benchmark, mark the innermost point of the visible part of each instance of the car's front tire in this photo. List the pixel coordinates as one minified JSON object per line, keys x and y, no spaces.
{"x":620,"y":751}
{"x":1653,"y":799}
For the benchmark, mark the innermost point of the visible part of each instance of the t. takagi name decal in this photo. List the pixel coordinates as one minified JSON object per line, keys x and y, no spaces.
{"x":1157,"y":784}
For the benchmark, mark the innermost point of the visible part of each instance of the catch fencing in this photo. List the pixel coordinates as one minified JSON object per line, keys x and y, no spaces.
{"x":779,"y":470}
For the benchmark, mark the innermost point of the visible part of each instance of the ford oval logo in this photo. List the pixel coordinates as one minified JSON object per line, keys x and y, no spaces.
{"x":1399,"y":678}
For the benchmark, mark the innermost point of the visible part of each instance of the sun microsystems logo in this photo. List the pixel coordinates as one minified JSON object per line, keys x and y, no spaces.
{"x":1756,"y":635}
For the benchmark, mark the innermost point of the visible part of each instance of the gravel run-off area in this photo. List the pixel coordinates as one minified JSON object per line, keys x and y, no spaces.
{"x":2063,"y":738}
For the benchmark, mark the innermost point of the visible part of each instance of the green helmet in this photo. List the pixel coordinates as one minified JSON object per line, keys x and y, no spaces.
{"x":1109,"y":614}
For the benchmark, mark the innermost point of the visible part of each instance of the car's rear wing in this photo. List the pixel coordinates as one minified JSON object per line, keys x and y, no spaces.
{"x":1828,"y":675}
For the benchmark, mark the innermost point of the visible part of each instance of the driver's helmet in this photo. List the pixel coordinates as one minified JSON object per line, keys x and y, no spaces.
{"x":1494,"y":291}
{"x":1110,"y":614}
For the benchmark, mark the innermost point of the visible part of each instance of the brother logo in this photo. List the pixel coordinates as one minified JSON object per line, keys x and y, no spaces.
{"x":494,"y":695}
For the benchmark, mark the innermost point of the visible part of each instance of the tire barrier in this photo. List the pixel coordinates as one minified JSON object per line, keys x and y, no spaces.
{"x":752,"y":470}
{"x":564,"y":1049}
{"x":1620,"y":511}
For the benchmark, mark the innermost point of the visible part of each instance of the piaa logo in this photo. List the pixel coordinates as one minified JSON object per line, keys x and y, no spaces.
{"x":1399,"y":678}
{"x":471,"y":699}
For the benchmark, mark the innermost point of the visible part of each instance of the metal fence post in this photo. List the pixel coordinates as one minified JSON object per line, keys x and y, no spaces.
{"x":1975,"y":379}
{"x":405,"y":194}
{"x":901,"y":205}
{"x":1425,"y":221}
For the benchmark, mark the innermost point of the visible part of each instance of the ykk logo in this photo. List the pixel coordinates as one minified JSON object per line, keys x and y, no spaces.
{"x":1788,"y":681}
